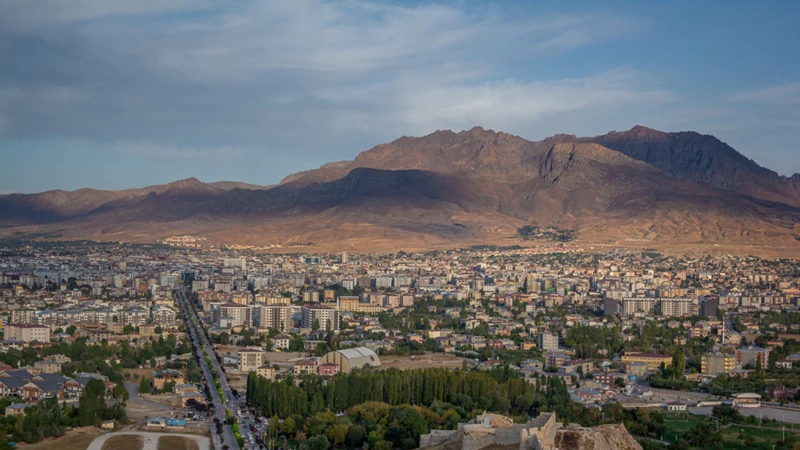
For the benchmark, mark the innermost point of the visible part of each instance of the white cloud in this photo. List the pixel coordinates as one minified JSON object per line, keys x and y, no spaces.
{"x":783,"y":93}
{"x":173,"y":152}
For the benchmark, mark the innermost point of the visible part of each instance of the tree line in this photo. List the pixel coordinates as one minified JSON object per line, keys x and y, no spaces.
{"x":423,"y":387}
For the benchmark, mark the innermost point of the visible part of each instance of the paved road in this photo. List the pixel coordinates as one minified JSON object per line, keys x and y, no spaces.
{"x":199,"y":342}
{"x":202,"y":442}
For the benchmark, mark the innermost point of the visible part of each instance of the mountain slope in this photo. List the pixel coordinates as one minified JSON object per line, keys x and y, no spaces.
{"x":701,"y":159}
{"x":449,"y":187}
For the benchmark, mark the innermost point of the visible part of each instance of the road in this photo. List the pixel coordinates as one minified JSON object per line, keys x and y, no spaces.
{"x":200,"y":343}
{"x":97,"y":444}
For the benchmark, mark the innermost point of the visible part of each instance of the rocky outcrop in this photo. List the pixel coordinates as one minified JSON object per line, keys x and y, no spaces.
{"x":604,"y":437}
{"x":492,"y":431}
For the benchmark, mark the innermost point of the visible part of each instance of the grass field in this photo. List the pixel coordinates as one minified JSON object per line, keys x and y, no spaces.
{"x":77,"y":439}
{"x":763,"y":438}
{"x":176,"y":443}
{"x":125,"y":442}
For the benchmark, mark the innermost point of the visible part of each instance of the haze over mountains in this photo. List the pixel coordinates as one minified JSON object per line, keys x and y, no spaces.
{"x":447,"y":187}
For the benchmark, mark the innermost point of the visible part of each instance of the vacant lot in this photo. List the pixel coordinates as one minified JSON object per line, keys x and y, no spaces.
{"x":77,"y":439}
{"x":423,"y":361}
{"x":123,"y":442}
{"x":176,"y":443}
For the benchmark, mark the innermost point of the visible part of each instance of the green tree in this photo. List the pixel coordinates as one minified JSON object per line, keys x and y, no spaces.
{"x":355,"y":436}
{"x":319,"y":442}
{"x":144,"y":386}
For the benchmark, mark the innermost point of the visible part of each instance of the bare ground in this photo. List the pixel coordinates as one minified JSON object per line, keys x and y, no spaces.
{"x":75,"y":439}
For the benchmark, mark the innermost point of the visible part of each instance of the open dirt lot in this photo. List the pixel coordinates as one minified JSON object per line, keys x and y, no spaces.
{"x":176,"y":443}
{"x":423,"y":361}
{"x":77,"y":439}
{"x":123,"y":442}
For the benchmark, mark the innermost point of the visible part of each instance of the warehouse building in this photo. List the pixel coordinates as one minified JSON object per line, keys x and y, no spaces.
{"x":352,"y":358}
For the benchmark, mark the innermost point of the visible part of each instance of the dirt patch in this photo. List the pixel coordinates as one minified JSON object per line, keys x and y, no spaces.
{"x":138,"y":374}
{"x":176,"y":443}
{"x":439,"y":360}
{"x":76,"y":439}
{"x":124,"y":442}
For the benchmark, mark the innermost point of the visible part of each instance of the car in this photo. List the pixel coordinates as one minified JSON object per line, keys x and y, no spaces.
{"x":148,"y":440}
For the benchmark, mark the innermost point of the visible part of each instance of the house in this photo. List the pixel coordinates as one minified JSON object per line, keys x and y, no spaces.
{"x":186,"y":396}
{"x":676,"y":406}
{"x":784,"y":363}
{"x":328,"y":369}
{"x":17,"y":409}
{"x":267,"y":372}
{"x":47,"y":366}
{"x":181,"y":389}
{"x":281,"y":342}
{"x":306,"y":366}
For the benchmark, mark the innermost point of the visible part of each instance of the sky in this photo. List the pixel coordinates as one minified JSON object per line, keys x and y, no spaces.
{"x":130,"y":93}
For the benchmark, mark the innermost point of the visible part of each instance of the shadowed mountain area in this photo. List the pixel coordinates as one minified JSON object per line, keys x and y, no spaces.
{"x":450,"y":187}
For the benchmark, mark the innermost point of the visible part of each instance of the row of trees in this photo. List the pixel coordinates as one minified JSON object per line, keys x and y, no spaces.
{"x":394,"y":387}
{"x":381,"y":425}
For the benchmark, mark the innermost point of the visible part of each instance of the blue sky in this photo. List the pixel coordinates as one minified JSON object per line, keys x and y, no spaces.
{"x":125,"y":94}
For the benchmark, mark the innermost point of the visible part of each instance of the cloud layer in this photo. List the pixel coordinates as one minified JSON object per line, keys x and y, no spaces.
{"x":307,"y":81}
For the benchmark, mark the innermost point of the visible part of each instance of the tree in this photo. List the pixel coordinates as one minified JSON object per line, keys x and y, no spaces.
{"x":678,"y":364}
{"x":144,"y":386}
{"x":337,"y":433}
{"x":355,"y":436}
{"x":319,"y":442}
{"x":91,"y":403}
{"x":224,"y":338}
{"x":315,"y":326}
{"x":120,"y":393}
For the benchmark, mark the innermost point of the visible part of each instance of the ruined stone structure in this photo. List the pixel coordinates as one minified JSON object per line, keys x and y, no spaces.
{"x":543,"y":433}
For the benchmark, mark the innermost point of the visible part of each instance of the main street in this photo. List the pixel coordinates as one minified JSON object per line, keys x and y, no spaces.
{"x":200,"y":343}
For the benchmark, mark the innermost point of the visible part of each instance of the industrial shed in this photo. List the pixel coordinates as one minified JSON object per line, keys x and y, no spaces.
{"x":352,"y":358}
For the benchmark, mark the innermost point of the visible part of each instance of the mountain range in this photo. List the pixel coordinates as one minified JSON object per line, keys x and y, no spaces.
{"x":448,"y":188}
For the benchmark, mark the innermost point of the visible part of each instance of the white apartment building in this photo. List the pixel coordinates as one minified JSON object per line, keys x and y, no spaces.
{"x":278,"y":317}
{"x":327,"y":317}
{"x":250,"y":360}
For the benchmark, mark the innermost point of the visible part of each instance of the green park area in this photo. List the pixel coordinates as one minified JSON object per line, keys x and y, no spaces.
{"x":696,"y":432}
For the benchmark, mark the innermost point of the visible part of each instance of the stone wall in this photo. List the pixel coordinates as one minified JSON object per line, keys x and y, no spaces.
{"x":542,"y":433}
{"x":437,"y":437}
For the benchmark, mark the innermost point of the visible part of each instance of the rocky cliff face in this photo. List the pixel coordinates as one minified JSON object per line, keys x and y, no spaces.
{"x":605,"y":437}
{"x":701,"y":159}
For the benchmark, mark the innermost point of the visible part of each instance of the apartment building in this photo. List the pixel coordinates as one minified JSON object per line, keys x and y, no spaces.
{"x":326,"y":317}
{"x":26,"y":333}
{"x":548,"y":342}
{"x":250,"y":360}
{"x":277,"y":317}
{"x":717,"y":363}
{"x":652,"y":360}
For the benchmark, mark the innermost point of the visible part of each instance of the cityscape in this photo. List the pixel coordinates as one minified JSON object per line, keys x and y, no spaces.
{"x":399,"y":225}
{"x":256,"y":349}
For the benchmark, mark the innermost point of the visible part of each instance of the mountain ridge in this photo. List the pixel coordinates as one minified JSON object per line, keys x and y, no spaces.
{"x":448,"y":186}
